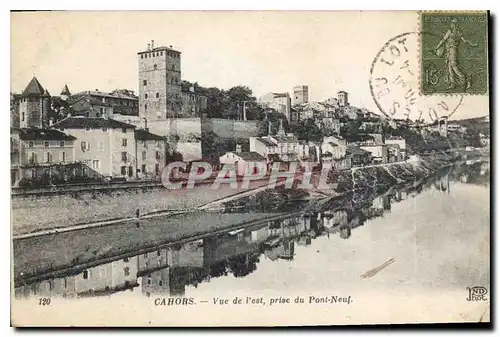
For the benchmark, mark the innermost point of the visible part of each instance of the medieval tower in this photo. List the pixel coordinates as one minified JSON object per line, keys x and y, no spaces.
{"x":34,"y":106}
{"x":159,"y":83}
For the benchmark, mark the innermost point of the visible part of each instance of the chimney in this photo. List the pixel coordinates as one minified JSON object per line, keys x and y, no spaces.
{"x":170,"y":46}
{"x":147,"y":129}
{"x":238,"y":148}
{"x":191,"y":88}
{"x":149,"y":47}
{"x":96,"y":89}
{"x":152,"y":44}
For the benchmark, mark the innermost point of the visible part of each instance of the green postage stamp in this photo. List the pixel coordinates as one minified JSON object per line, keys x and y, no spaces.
{"x":454,"y":52}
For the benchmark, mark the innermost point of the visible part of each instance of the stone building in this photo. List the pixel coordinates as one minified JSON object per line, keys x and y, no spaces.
{"x":102,"y":104}
{"x":193,"y":103}
{"x":300,"y":94}
{"x":105,"y":145}
{"x":160,"y":91}
{"x":150,"y":154}
{"x":38,"y":151}
{"x":343,"y":98}
{"x":34,"y":106}
{"x":280,"y":102}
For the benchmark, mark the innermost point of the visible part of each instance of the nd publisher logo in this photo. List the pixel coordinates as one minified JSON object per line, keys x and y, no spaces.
{"x":477,"y":294}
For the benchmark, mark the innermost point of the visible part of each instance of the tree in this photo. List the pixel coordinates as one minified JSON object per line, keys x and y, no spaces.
{"x":352,"y":127}
{"x":308,"y":130}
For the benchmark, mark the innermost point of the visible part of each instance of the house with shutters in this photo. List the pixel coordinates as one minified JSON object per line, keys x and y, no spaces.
{"x":151,"y":153}
{"x":105,"y":145}
{"x":40,"y":154}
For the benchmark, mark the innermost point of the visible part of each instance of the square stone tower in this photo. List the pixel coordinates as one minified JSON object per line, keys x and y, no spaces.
{"x":159,"y":83}
{"x":34,"y":106}
{"x":300,"y":94}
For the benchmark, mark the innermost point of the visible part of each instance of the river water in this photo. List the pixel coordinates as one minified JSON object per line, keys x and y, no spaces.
{"x":434,"y":235}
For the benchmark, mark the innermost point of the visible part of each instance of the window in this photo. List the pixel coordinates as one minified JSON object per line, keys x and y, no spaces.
{"x":157,"y":95}
{"x":87,"y":128}
{"x":101,"y":110}
{"x":85,"y":274}
{"x":142,"y":56}
{"x":31,"y":144}
{"x":145,"y":106}
{"x":126,"y":271}
{"x":104,"y":129}
{"x":157,"y":169}
{"x":95,"y":164}
{"x":144,"y":155}
{"x":85,"y":146}
{"x":48,"y":157}
{"x":161,"y":53}
{"x":123,"y":170}
{"x":143,"y":168}
{"x":61,"y":144}
{"x":124,"y":142}
{"x":157,"y":143}
{"x":157,"y":155}
{"x":46,"y":144}
{"x":125,"y":259}
{"x":124,"y":157}
{"x":100,"y":145}
{"x":144,"y":82}
{"x":145,"y":95}
{"x":33,"y":158}
{"x":155,"y":66}
{"x":144,"y":143}
{"x":62,"y":156}
{"x":146,"y":256}
{"x":22,"y":116}
{"x":160,"y":283}
{"x":158,"y":252}
{"x":124,"y":130}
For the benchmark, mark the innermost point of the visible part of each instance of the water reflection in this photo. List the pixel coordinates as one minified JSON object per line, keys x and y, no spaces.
{"x":168,"y":270}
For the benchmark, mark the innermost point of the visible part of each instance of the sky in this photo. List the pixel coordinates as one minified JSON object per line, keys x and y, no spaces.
{"x":268,"y":51}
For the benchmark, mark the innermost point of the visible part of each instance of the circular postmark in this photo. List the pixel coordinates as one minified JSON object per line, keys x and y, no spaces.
{"x":395,"y":83}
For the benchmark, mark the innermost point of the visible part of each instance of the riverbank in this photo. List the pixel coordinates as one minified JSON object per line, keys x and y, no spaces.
{"x":47,"y":214}
{"x":56,"y":254}
{"x":37,"y":213}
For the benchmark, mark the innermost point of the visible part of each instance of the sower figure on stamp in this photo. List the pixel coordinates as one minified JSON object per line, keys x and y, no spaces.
{"x":448,"y":46}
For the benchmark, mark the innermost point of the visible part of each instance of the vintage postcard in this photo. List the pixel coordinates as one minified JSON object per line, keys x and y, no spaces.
{"x":249,"y":168}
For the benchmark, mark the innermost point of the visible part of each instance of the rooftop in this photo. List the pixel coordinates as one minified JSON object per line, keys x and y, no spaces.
{"x":356,"y":150}
{"x":91,"y":122}
{"x":160,"y":48}
{"x":285,"y":138}
{"x":43,"y":134}
{"x":34,"y":88}
{"x":266,"y":141}
{"x":97,"y":93}
{"x":146,"y":135}
{"x":248,"y":155}
{"x":65,"y":91}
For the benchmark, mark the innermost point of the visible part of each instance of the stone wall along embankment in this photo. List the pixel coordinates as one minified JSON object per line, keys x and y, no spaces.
{"x":33,"y":213}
